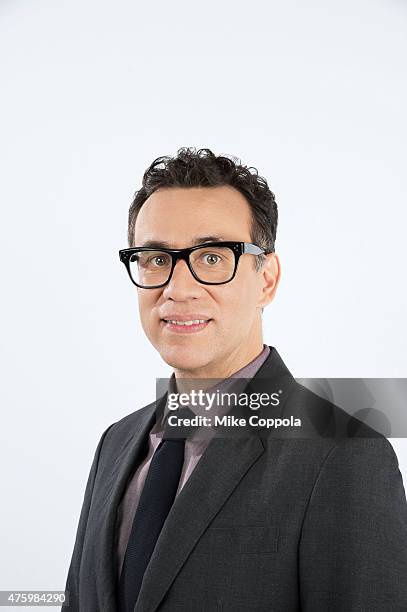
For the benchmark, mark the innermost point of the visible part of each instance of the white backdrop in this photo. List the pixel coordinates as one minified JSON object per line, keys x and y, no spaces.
{"x":313,"y":94}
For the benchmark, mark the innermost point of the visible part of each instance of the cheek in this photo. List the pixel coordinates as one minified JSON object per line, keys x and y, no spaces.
{"x":237,"y":306}
{"x":146,"y":310}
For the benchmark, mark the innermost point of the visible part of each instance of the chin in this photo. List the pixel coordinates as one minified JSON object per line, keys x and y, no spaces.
{"x":184,"y":358}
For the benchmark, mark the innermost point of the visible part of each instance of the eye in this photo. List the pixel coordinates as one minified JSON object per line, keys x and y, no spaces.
{"x":158,"y":260}
{"x":211,"y":258}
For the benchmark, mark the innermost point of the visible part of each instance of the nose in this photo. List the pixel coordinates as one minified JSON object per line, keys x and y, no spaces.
{"x":182,"y":285}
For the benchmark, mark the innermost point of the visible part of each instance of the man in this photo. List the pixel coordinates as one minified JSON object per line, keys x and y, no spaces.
{"x":247,"y":522}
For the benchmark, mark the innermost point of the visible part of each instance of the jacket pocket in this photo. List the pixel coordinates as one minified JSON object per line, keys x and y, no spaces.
{"x":239,"y":539}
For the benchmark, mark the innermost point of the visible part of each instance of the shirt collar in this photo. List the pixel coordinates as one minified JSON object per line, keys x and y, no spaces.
{"x":236,"y":382}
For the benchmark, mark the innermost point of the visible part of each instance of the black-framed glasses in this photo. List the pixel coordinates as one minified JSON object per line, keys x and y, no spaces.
{"x":211,"y":263}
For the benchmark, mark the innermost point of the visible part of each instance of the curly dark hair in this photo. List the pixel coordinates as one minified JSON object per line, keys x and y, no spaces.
{"x":202,"y":168}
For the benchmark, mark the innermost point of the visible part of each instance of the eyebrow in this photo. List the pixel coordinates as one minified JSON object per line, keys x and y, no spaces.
{"x":156,"y":244}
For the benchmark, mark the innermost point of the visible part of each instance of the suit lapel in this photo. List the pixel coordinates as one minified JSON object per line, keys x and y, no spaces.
{"x":106,"y":506}
{"x":216,"y":475}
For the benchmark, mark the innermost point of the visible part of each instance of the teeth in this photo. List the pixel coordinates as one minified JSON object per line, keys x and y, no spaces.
{"x":193,"y":322}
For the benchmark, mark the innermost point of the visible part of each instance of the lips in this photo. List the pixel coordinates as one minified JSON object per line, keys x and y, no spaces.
{"x":187,"y":323}
{"x":190,"y":323}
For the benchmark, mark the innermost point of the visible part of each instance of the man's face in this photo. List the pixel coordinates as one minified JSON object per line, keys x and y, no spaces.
{"x":180,"y":217}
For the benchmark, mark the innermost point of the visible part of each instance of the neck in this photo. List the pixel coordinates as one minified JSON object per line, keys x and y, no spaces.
{"x":226,"y":367}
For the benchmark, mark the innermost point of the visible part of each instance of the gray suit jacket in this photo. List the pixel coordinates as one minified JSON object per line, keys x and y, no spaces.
{"x":265,"y":522}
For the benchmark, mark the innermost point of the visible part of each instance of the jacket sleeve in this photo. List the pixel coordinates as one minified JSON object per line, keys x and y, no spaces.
{"x":72,"y":581}
{"x":353,"y":546}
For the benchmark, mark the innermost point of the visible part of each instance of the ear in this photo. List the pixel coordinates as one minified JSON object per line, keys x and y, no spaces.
{"x":270,"y":277}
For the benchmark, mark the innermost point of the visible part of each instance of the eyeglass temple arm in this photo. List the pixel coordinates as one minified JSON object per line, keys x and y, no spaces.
{"x":253,"y":249}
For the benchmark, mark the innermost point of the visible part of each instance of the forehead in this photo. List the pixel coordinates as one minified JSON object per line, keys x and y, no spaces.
{"x":179,"y":215}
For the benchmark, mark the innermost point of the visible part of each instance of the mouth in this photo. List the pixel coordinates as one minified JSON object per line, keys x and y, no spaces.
{"x":185,"y":326}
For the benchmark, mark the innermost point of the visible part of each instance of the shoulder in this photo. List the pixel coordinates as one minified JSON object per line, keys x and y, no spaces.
{"x":322,"y":417}
{"x":120,"y":432}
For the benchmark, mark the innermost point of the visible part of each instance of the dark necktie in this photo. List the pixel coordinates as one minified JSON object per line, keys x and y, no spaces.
{"x":156,"y":499}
